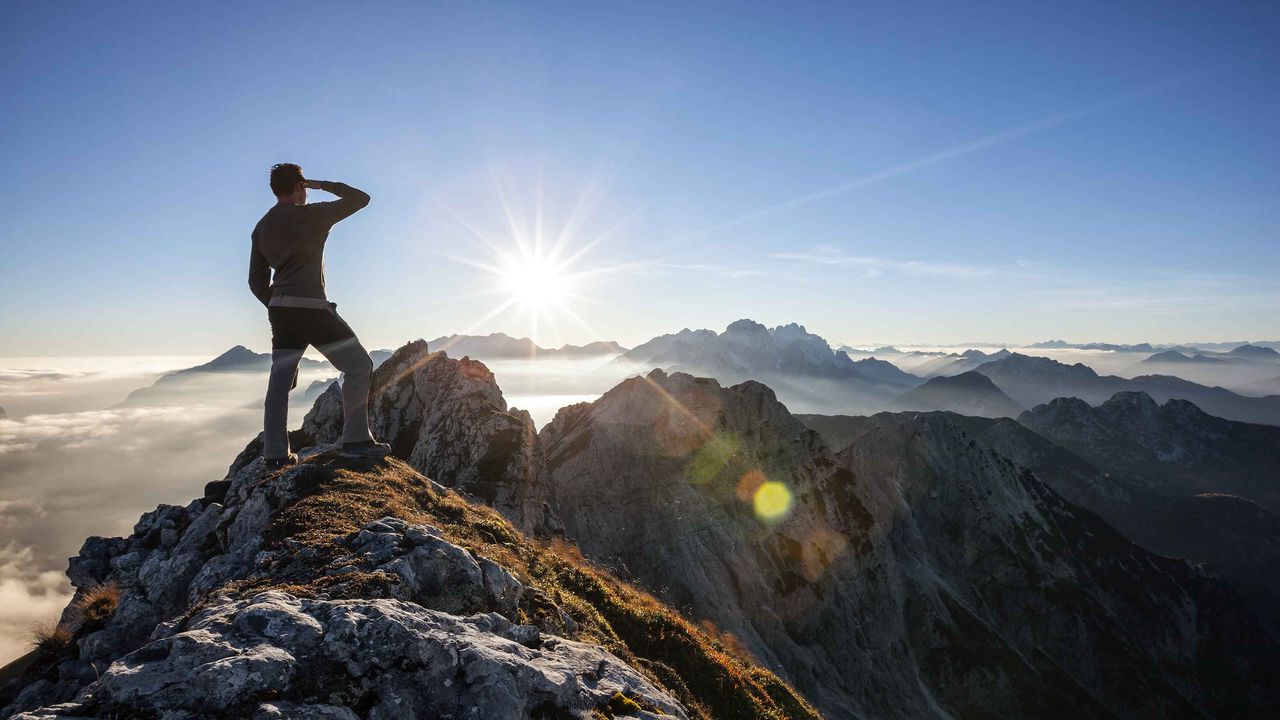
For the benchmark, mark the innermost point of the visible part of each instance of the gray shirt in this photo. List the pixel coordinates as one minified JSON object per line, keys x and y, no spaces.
{"x":290,"y":239}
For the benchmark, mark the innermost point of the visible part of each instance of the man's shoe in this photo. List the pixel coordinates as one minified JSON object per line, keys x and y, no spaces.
{"x":277,"y":463}
{"x":367,"y":449}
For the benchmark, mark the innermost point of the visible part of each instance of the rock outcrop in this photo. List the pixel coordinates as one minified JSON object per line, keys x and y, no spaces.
{"x":338,"y":591}
{"x":447,"y":418}
{"x":914,"y":574}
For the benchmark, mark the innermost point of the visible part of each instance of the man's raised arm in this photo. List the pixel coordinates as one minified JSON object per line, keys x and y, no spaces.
{"x":349,"y":201}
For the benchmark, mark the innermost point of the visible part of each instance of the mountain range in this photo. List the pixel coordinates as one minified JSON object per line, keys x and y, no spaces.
{"x":1150,"y":348}
{"x":788,"y":357}
{"x":499,"y":345}
{"x":915,"y":573}
{"x":176,"y":388}
{"x":1147,"y":469}
{"x":1032,"y":381}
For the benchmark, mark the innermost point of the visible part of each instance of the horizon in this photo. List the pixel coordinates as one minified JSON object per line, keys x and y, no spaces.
{"x":1094,"y":172}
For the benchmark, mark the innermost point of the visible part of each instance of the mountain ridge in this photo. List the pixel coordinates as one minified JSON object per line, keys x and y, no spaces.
{"x":1033,"y":381}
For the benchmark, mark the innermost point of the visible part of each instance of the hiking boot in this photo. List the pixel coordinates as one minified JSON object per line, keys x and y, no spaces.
{"x":370,"y":449}
{"x":277,"y":463}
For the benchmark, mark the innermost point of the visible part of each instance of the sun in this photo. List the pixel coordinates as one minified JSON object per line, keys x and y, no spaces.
{"x":534,"y":283}
{"x":536,"y":262}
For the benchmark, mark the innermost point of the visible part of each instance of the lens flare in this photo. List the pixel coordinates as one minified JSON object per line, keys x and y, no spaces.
{"x":772,"y":500}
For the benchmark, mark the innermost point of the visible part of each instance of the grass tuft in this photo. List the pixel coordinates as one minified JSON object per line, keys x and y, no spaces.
{"x":50,"y":638}
{"x":99,"y":602}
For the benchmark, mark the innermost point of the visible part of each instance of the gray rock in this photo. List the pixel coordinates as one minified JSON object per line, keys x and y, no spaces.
{"x":403,"y":660}
{"x":231,"y":659}
{"x":447,"y":418}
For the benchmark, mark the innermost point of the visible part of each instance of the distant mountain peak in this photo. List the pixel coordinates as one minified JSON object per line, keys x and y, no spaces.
{"x":1255,"y":351}
{"x":237,"y":355}
{"x":968,"y":393}
{"x":1131,"y":400}
{"x":745,"y":325}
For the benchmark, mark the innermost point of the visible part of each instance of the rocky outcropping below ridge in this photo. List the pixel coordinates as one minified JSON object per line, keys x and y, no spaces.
{"x":304,"y":595}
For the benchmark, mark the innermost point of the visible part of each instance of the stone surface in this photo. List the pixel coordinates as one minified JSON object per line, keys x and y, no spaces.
{"x":447,"y":418}
{"x":438,"y":646}
{"x":276,"y":656}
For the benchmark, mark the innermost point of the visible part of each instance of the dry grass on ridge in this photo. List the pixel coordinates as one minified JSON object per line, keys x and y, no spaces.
{"x":703,"y":668}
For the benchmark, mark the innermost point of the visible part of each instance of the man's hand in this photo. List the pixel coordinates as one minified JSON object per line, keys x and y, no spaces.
{"x":311,"y":184}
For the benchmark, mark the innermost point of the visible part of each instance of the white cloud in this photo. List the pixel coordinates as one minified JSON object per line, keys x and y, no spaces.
{"x":28,"y":597}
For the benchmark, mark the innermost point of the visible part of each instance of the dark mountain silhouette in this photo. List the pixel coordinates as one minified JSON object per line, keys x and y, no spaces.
{"x":1174,"y":357}
{"x":1032,"y":381}
{"x":1255,"y":352}
{"x":176,"y":388}
{"x":1113,"y":468}
{"x":1175,"y":447}
{"x":1164,"y":462}
{"x":968,"y":393}
{"x":916,"y":573}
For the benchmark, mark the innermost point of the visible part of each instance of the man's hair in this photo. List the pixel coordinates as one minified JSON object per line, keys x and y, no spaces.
{"x":284,"y":178}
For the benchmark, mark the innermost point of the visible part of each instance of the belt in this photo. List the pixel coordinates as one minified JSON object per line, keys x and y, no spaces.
{"x":294,"y":301}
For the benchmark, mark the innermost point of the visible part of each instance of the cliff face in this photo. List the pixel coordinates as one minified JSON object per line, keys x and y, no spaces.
{"x":447,"y":418}
{"x":914,"y":574}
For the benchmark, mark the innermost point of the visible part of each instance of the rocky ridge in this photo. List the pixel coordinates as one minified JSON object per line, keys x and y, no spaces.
{"x":447,"y":419}
{"x":340,"y":590}
{"x":914,"y":574}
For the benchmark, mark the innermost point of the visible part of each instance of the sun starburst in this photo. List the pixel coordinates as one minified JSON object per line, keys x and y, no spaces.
{"x":536,"y":270}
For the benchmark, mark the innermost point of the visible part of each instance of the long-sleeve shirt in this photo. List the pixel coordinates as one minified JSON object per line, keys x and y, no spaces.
{"x":290,"y":239}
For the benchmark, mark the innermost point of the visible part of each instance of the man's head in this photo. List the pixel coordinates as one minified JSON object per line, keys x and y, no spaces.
{"x":286,"y":183}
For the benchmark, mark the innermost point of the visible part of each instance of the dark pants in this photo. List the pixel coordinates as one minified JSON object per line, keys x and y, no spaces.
{"x":292,"y":331}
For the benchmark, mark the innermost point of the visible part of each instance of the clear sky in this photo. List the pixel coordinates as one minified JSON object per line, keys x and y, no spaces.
{"x":899,"y":172}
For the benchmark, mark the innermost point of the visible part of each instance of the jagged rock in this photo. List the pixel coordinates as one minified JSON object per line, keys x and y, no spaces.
{"x":915,"y":574}
{"x":447,"y":418}
{"x":260,"y":607}
{"x":434,"y":572}
{"x":274,"y":655}
{"x":178,"y":557}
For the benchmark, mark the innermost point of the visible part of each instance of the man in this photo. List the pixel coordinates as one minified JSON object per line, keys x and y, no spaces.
{"x":290,"y":239}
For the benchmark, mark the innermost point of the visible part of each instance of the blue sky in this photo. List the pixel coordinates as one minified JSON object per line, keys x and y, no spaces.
{"x":1006,"y":172}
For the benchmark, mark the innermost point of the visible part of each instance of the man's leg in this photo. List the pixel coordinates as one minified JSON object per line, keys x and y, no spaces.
{"x":275,"y":421}
{"x":352,"y":360}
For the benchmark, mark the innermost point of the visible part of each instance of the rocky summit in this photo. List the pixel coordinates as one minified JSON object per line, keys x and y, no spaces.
{"x":292,"y":600}
{"x":676,"y":548}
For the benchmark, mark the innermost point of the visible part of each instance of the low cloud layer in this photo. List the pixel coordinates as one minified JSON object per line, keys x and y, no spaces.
{"x":66,"y":476}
